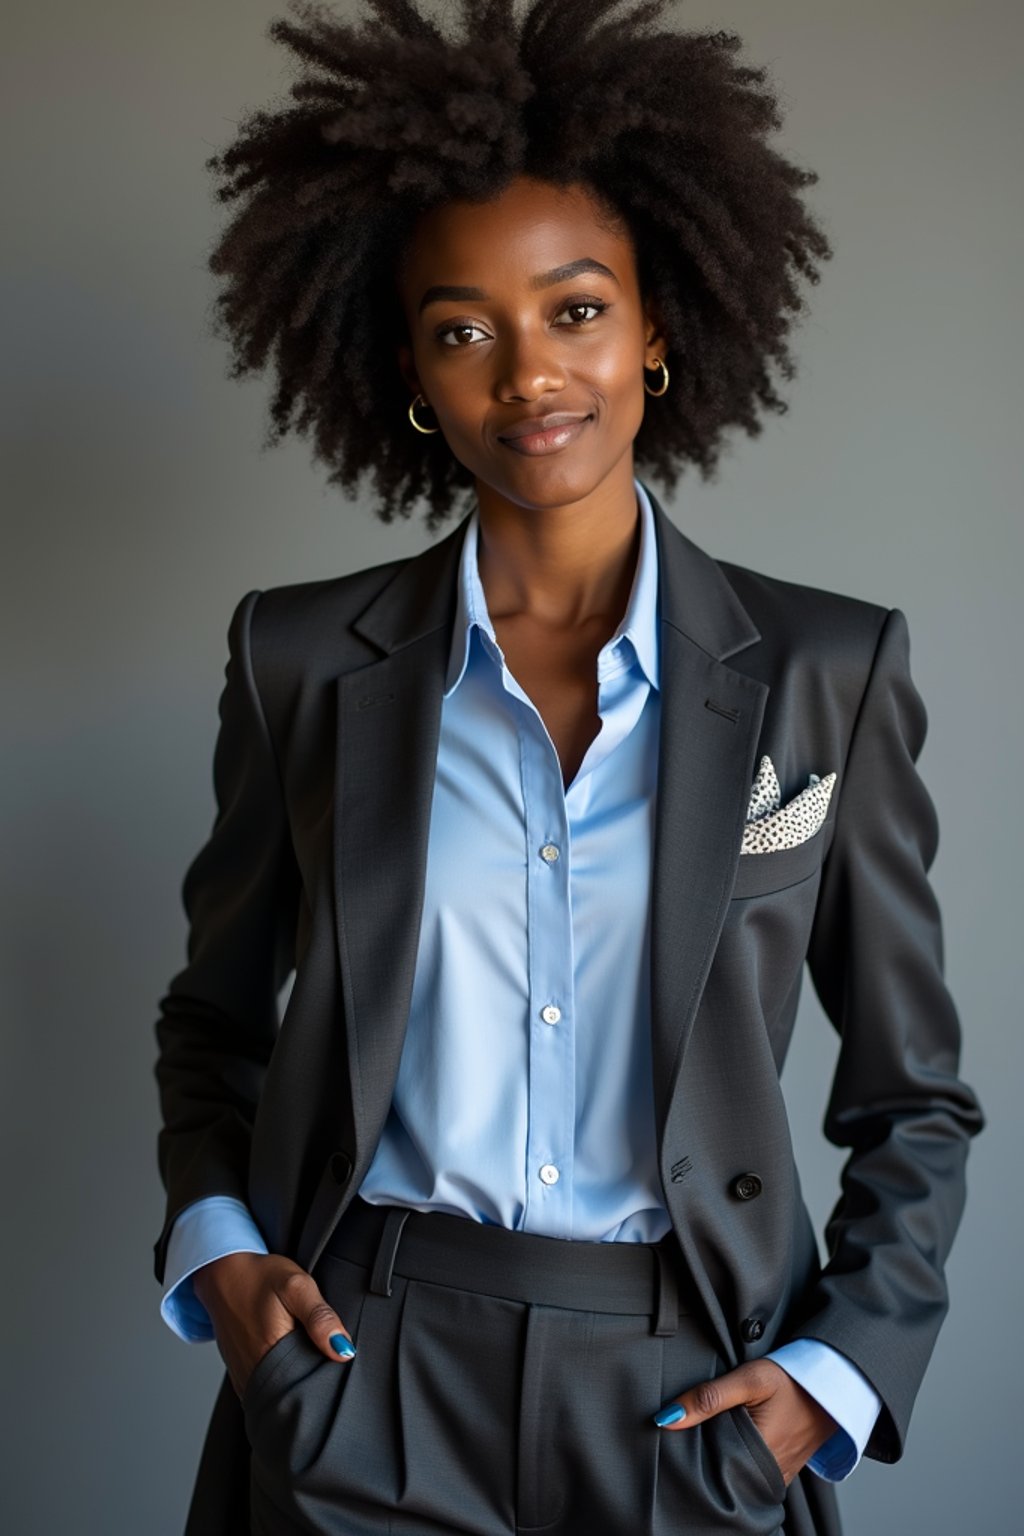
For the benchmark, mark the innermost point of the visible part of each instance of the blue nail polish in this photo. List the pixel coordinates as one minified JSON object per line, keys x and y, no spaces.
{"x":344,"y":1347}
{"x":670,"y":1415}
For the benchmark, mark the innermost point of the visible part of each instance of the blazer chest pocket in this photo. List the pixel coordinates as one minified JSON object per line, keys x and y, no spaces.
{"x":759,"y":874}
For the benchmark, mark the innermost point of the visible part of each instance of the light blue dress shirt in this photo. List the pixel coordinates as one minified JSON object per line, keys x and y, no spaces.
{"x":524,"y":1095}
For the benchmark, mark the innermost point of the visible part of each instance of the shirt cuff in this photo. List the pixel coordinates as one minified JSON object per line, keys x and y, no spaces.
{"x":843,"y":1391}
{"x":206,"y":1230}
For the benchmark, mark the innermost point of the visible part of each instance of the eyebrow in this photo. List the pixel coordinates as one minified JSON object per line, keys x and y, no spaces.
{"x":542,"y":280}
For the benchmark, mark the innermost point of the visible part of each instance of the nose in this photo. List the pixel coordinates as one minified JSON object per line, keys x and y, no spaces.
{"x":527,"y":367}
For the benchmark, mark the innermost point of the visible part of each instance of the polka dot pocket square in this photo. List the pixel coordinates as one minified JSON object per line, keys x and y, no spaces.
{"x":771,"y":825}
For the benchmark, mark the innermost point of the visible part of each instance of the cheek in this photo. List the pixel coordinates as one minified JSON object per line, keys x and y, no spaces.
{"x":626,"y":407}
{"x":464,"y":410}
{"x":620,"y":384}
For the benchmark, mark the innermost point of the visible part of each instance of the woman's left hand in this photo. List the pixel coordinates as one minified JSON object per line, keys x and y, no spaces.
{"x":790,"y":1421}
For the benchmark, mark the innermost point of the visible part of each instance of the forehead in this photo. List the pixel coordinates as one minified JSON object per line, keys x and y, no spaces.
{"x":528,"y":228}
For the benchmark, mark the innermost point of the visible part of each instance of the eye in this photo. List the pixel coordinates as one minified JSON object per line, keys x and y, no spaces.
{"x":454,"y":328}
{"x":597,"y":304}
{"x":461,"y":328}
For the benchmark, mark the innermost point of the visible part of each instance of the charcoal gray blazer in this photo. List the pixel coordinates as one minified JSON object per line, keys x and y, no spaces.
{"x":323,"y":772}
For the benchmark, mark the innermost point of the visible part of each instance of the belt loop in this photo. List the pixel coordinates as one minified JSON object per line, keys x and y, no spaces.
{"x":387,"y":1247}
{"x":666,"y":1319}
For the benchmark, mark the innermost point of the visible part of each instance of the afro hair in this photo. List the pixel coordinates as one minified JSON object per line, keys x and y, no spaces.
{"x":394,"y":116}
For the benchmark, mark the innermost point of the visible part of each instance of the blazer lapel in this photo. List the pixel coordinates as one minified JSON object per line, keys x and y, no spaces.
{"x":710,"y":723}
{"x":388,"y":726}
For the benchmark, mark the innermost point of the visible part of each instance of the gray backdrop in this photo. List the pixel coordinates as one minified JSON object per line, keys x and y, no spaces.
{"x":138,"y":509}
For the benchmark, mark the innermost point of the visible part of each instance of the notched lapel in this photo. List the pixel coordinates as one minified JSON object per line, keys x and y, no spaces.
{"x":711,"y":717}
{"x":388,"y":729}
{"x":388,"y":723}
{"x":704,"y":773}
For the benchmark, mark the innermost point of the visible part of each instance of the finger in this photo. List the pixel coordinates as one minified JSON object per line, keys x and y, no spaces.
{"x":301,"y":1295}
{"x":746,"y":1384}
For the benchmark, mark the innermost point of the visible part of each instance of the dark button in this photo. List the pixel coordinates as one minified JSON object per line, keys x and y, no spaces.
{"x":747,"y":1187}
{"x":341,"y":1167}
{"x":751,"y":1328}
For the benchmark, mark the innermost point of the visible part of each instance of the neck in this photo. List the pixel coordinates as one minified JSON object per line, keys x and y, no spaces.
{"x":562,"y":567}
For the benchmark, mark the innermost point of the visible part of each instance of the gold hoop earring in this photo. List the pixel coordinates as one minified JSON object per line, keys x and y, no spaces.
{"x":658,"y":363}
{"x":412,"y":418}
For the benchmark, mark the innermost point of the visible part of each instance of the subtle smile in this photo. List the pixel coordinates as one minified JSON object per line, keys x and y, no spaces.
{"x":548,"y":440}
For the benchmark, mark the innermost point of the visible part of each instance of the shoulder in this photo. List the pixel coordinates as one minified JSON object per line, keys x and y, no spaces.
{"x":810,"y":624}
{"x":297,"y":636}
{"x":785,"y":605}
{"x":330,"y":625}
{"x":818,"y":648}
{"x":306,"y":610}
{"x":775,"y":623}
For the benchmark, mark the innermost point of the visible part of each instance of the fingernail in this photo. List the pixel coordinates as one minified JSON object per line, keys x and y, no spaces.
{"x":670,"y":1415}
{"x":342,"y":1346}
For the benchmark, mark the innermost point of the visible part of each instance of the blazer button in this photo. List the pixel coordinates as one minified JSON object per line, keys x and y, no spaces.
{"x":751,"y":1328}
{"x":341,"y":1167}
{"x":747,"y":1187}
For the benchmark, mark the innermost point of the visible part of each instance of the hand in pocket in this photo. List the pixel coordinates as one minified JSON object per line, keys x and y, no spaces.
{"x":254,"y":1299}
{"x":789,"y":1420}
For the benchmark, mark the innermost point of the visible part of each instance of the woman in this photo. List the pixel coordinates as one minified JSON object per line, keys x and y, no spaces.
{"x":499,"y":1229}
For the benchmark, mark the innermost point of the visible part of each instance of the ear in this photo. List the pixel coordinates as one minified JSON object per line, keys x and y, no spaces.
{"x":655,"y":339}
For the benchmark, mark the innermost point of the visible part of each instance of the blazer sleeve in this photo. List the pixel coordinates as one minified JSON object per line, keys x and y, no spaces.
{"x":876,"y":960}
{"x":218,"y":1021}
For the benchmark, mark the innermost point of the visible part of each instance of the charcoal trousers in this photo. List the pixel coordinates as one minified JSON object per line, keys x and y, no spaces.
{"x":503,"y":1383}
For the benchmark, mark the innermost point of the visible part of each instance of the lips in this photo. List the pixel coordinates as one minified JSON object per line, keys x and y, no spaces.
{"x":531,"y":426}
{"x":537,"y":435}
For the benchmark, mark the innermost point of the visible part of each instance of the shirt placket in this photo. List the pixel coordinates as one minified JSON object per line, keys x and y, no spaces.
{"x":548,"y":812}
{"x":551,"y":1061}
{"x":552,"y":1003}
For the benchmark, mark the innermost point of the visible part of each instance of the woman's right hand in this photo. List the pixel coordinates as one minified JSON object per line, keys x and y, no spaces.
{"x":253,"y":1300}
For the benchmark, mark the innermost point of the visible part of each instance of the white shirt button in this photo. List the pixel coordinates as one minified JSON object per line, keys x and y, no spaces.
{"x":549,"y":853}
{"x":549,"y":1173}
{"x":551,"y":1014}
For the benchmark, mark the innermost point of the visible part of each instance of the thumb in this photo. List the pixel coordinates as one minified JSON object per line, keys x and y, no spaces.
{"x":736,"y":1388}
{"x":302,"y":1296}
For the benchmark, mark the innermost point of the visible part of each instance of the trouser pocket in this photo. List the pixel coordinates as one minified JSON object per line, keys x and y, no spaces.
{"x":292,"y":1403}
{"x":719,"y":1475}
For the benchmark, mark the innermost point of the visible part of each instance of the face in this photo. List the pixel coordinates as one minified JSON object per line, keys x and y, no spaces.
{"x":529,"y":306}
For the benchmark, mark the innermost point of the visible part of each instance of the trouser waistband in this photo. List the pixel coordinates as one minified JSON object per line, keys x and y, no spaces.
{"x":446,"y":1249}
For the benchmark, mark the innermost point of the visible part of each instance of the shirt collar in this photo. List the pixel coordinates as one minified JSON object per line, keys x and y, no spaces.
{"x":638,"y":626}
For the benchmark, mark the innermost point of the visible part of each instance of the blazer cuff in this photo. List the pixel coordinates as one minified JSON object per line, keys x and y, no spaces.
{"x":205,"y":1230}
{"x":843,"y":1391}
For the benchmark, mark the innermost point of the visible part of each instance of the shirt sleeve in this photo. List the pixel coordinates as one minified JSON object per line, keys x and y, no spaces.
{"x":206,"y":1230}
{"x":843,"y":1391}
